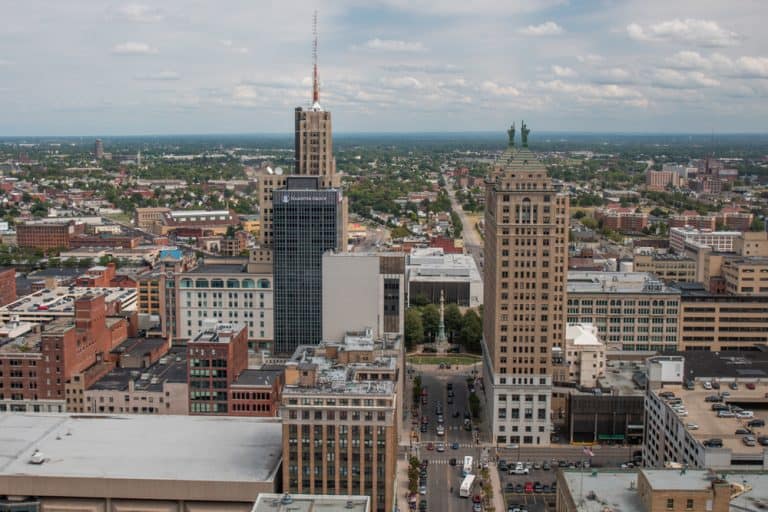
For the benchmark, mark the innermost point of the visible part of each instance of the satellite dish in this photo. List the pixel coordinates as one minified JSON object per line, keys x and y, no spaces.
{"x":269,"y":170}
{"x":279,"y":171}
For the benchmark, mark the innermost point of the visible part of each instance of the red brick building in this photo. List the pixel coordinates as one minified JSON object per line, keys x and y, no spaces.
{"x":97,"y":276}
{"x":7,"y":285}
{"x":624,"y":220}
{"x":216,"y":357}
{"x":47,"y":235}
{"x":694,"y":219}
{"x":37,"y":365}
{"x":256,"y":393}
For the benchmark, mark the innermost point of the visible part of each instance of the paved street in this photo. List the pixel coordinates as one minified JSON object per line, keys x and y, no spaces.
{"x":473,"y":243}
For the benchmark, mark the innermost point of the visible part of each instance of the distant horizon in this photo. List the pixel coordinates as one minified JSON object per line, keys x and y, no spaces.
{"x":535,"y":134}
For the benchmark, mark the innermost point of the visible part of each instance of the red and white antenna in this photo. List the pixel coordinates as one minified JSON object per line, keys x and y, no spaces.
{"x":315,"y":78}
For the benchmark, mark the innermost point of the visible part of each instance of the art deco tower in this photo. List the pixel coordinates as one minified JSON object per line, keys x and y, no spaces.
{"x":526,"y":234}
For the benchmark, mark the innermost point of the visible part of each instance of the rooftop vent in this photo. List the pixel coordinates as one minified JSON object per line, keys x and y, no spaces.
{"x":37,"y":457}
{"x":350,"y":504}
{"x":287,"y":499}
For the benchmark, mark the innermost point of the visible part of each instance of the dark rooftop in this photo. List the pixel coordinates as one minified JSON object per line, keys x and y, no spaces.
{"x":728,"y":364}
{"x":56,"y":272}
{"x":137,"y":347}
{"x":257,"y":377}
{"x":694,"y":291}
{"x":218,"y":268}
{"x":170,"y":368}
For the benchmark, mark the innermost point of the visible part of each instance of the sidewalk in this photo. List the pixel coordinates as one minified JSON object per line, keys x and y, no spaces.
{"x":498,"y":497}
{"x":401,"y":483}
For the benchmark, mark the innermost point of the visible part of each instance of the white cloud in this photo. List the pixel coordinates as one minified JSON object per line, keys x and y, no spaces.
{"x":499,"y":90}
{"x":717,"y":64}
{"x":688,"y":60}
{"x":563,"y":71}
{"x":394,"y":45}
{"x":670,"y":78}
{"x":751,"y":67}
{"x":140,"y":13}
{"x":422,"y":68}
{"x":590,"y":58}
{"x":549,"y":28}
{"x":4,"y":62}
{"x":228,"y":43}
{"x":133,"y":48}
{"x":161,"y":76}
{"x":597,"y":93}
{"x":405,"y":82}
{"x":704,"y":33}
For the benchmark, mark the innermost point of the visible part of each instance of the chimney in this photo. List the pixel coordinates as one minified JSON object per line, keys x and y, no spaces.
{"x":721,"y":491}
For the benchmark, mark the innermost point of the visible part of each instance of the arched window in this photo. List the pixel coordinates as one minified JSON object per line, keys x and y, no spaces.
{"x":525,"y":211}
{"x":186,"y":283}
{"x":233,"y":283}
{"x":263,"y":283}
{"x":217,"y":283}
{"x":201,"y":283}
{"x":248,"y":283}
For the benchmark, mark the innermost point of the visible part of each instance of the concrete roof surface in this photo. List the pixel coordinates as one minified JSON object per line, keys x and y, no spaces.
{"x":141,"y":447}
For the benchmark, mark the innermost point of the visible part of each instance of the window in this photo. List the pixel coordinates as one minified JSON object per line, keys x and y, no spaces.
{"x":670,"y":503}
{"x":689,"y":504}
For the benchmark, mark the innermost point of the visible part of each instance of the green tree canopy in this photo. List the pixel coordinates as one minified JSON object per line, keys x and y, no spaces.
{"x":414,"y":329}
{"x":430,"y":317}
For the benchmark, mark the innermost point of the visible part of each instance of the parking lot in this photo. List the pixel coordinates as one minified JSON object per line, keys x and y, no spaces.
{"x":533,"y":489}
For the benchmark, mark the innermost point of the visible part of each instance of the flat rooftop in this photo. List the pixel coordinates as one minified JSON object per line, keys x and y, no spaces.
{"x":171,"y":368}
{"x":61,"y":300}
{"x":137,"y":347}
{"x":257,"y":377}
{"x":192,"y":448}
{"x":267,"y":502}
{"x":617,"y":490}
{"x":586,"y":281}
{"x":731,"y":364}
{"x":432,"y":264}
{"x":218,"y":268}
{"x":710,"y":425}
{"x":218,"y":333}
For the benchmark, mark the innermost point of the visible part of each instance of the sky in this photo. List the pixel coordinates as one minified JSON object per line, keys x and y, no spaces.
{"x":80,"y":67}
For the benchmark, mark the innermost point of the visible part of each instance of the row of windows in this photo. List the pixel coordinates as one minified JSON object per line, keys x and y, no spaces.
{"x":230,"y":283}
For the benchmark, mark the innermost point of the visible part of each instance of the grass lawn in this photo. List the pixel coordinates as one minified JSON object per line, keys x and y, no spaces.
{"x":120,"y":217}
{"x":458,"y":359}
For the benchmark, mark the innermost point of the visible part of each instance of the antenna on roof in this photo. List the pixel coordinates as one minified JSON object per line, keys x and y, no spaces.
{"x":315,"y":78}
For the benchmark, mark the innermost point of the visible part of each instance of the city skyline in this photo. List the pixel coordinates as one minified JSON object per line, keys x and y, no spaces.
{"x":390,"y":67}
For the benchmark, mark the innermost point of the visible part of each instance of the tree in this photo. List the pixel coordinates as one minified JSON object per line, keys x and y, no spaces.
{"x":578,"y":214}
{"x":758,"y":224}
{"x":474,"y":405}
{"x":430,"y":317}
{"x":589,"y":222}
{"x":414,"y":328}
{"x":419,"y":300}
{"x":471,"y":332}
{"x":454,"y":321}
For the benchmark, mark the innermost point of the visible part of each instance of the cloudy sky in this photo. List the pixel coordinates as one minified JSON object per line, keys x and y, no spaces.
{"x":241,"y":66}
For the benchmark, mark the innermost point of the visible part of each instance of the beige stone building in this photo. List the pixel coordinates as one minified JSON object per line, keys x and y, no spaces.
{"x":658,"y":490}
{"x":340,"y":416}
{"x":631,"y":310}
{"x":141,"y":463}
{"x":668,"y":267}
{"x":745,"y":276}
{"x":717,"y":321}
{"x":150,"y":219}
{"x":526,"y":234}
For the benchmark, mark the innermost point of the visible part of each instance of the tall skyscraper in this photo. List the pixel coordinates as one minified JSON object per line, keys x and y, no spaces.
{"x":313,"y":145}
{"x":526,"y":234}
{"x":308,"y":221}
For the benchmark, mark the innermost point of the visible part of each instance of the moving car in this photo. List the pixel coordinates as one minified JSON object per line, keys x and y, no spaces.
{"x":519,"y":469}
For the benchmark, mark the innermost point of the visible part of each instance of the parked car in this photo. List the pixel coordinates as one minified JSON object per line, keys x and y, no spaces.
{"x":546,"y":466}
{"x":750,"y":385}
{"x":503,"y":465}
{"x":726,"y":414}
{"x":763,"y":440}
{"x":713,"y":398}
{"x":714,"y":442}
{"x":748,"y":440}
{"x":537,"y":487}
{"x":742,"y":431}
{"x":692,"y":426}
{"x":519,"y":469}
{"x":733,"y":385}
{"x":440,"y":447}
{"x":745,"y":415}
{"x":528,"y":487}
{"x":707,"y":384}
{"x":477,"y":507}
{"x":452,"y":462}
{"x":715,"y":385}
{"x":430,"y":446}
{"x":756,"y":423}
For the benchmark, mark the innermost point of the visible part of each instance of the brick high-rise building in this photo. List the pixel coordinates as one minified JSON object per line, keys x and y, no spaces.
{"x":217,"y":356}
{"x":98,"y":149}
{"x":7,"y":285}
{"x":526,"y":236}
{"x":47,"y":235}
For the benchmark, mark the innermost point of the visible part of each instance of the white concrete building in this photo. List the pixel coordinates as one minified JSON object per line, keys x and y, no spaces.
{"x":363,"y":291}
{"x":584,"y":354}
{"x":431,"y":271}
{"x":720,"y":241}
